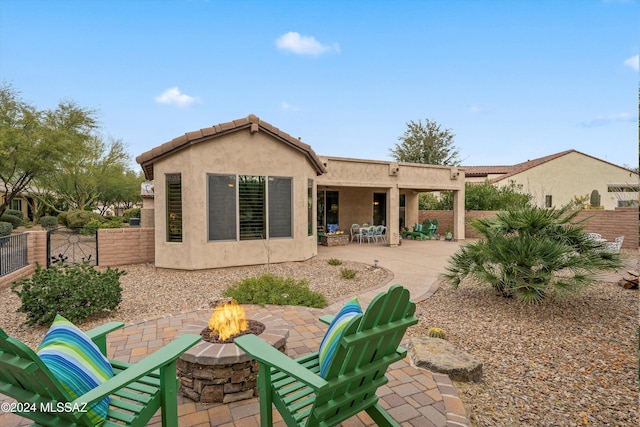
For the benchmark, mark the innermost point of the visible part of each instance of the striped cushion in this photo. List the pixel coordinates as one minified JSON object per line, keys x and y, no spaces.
{"x":331,"y":339}
{"x":77,"y":363}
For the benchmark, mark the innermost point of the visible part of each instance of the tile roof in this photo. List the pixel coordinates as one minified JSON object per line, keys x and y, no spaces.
{"x":509,"y":171}
{"x":251,"y":122}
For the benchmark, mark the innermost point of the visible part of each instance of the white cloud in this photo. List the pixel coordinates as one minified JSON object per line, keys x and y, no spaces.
{"x":173,"y":96}
{"x":633,"y":62}
{"x":303,"y":45}
{"x":612,"y":118}
{"x":288,"y":107}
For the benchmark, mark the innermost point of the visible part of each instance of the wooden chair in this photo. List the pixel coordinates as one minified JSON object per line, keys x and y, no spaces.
{"x":370,"y":344}
{"x":137,"y":391}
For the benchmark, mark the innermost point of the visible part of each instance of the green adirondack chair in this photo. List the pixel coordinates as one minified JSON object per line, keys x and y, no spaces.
{"x":370,"y":344}
{"x":137,"y":391}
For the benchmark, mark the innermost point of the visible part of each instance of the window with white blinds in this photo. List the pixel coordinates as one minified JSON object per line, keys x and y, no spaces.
{"x":249,"y":207}
{"x":251,"y":204}
{"x":174,"y":207}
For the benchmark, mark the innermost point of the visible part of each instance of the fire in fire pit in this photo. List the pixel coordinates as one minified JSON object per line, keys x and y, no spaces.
{"x":229,"y":321}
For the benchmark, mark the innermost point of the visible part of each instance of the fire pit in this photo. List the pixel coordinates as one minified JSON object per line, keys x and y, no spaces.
{"x":219,"y":371}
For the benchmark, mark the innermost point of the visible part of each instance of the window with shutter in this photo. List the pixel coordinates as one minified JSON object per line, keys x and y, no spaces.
{"x":251,"y":203}
{"x":174,"y":207}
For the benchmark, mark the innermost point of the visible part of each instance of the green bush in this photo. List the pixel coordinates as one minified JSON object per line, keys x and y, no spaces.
{"x":75,"y":291}
{"x":5,"y":229}
{"x":269,"y":289}
{"x":12,"y":219}
{"x":77,"y":219}
{"x":347,"y":273}
{"x":62,"y":218}
{"x":334,"y":261}
{"x":15,"y":212}
{"x":131,"y":213}
{"x":530,"y":253}
{"x":48,"y":222}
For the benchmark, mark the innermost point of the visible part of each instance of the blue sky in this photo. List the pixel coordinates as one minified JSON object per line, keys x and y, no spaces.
{"x":513,"y":80}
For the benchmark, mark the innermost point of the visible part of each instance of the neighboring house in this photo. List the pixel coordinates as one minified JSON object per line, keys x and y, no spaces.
{"x":24,"y":201}
{"x":556,"y":179}
{"x":245,"y":192}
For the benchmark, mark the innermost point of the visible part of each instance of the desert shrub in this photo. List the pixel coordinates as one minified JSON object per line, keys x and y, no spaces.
{"x":12,"y":219}
{"x":77,"y":219}
{"x":5,"y":228}
{"x":334,"y":261}
{"x":131,"y":213}
{"x":48,"y":222}
{"x":62,"y":218}
{"x":530,"y":253}
{"x":94,"y":224}
{"x":347,"y":273}
{"x":270,"y":289}
{"x":75,"y":291}
{"x":15,"y":212}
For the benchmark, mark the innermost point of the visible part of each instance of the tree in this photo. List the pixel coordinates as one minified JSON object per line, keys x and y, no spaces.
{"x":479,"y":197}
{"x":98,"y":178}
{"x":34,"y":143}
{"x":530,"y":253}
{"x":426,"y":143}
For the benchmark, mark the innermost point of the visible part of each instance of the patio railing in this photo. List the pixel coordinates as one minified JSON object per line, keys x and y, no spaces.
{"x":13,"y":253}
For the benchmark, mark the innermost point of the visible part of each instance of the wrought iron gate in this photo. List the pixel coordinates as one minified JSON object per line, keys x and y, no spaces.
{"x":72,"y":246}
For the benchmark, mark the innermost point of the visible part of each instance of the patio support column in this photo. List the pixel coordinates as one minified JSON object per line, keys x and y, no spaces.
{"x":458,"y":214}
{"x":411,"y":208}
{"x":393,"y":216}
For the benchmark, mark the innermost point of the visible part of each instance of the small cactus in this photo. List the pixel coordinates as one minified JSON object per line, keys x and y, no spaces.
{"x":437,"y":333}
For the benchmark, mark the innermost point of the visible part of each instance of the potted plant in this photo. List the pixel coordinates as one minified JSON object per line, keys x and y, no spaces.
{"x":448,"y":235}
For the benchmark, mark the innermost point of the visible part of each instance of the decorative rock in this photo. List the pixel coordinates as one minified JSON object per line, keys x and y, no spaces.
{"x":438,"y":355}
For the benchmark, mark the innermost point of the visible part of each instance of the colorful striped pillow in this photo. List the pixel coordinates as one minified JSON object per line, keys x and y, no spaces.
{"x":330,"y":341}
{"x":77,"y":363}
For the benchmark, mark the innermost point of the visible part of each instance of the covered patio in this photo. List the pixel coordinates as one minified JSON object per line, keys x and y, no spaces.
{"x":357,"y":191}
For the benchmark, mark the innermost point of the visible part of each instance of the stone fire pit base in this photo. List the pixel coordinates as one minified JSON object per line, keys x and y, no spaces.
{"x":223,"y":373}
{"x":219,"y":383}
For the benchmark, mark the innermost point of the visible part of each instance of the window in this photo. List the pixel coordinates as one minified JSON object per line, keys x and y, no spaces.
{"x":548,"y":201}
{"x":174,"y":207}
{"x":222,"y":207}
{"x":249,"y":207}
{"x":16,"y":204}
{"x":310,"y":207}
{"x":280,"y":207}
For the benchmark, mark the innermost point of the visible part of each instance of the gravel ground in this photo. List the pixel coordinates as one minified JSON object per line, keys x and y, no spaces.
{"x":563,"y":363}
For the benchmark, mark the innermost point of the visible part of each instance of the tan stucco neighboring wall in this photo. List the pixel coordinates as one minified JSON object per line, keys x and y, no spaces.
{"x":236,"y":153}
{"x":574,"y":174}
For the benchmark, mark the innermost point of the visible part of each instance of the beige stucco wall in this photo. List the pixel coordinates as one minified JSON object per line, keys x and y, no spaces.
{"x":237,"y":153}
{"x":574,"y":174}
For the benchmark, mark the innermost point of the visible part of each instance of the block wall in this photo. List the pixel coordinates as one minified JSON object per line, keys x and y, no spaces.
{"x":122,"y":246}
{"x":609,"y":223}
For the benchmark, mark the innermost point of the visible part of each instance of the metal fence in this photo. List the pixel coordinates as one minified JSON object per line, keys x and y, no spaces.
{"x":72,"y":246}
{"x":13,"y":253}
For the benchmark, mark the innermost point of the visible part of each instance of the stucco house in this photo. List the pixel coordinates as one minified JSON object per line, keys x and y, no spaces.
{"x":556,"y":179}
{"x":244,"y":192}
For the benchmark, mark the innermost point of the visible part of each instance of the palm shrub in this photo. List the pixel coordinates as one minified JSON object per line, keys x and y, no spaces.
{"x":531,"y":252}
